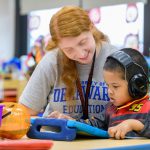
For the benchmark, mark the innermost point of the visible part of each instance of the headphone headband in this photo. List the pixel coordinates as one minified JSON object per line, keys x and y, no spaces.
{"x":122,"y":58}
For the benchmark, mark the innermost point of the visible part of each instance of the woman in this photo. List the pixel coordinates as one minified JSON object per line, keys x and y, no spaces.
{"x":68,"y":81}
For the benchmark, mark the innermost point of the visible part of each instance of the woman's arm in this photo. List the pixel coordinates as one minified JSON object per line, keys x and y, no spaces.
{"x":35,"y":94}
{"x":31,"y":111}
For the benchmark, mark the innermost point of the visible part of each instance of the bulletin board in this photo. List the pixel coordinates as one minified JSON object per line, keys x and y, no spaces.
{"x":123,"y":24}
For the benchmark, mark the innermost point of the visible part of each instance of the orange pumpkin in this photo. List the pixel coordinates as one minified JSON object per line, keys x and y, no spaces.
{"x":15,"y":121}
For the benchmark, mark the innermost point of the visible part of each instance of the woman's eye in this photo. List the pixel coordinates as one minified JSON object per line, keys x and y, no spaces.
{"x":115,"y":87}
{"x":83,"y":42}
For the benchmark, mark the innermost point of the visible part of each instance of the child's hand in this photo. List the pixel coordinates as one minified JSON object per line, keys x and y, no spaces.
{"x":59,"y":115}
{"x":119,"y":131}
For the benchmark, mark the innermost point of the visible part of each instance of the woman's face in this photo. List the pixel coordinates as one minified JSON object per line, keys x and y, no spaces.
{"x":117,"y":88}
{"x":80,"y":48}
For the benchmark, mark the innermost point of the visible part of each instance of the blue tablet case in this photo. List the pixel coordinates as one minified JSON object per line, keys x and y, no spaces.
{"x":66,"y":130}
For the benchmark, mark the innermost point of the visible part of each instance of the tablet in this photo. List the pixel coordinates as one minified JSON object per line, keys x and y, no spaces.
{"x":83,"y":128}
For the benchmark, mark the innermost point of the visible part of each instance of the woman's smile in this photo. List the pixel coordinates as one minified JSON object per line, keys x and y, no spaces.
{"x":85,"y":57}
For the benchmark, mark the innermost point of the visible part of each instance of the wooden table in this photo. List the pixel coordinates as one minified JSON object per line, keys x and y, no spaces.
{"x":87,"y":144}
{"x":99,"y":144}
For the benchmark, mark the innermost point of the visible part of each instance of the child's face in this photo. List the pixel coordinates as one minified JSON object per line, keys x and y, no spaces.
{"x":117,"y":88}
{"x":80,"y":48}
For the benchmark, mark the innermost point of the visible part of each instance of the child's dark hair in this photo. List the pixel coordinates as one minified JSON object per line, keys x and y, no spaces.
{"x":140,"y":66}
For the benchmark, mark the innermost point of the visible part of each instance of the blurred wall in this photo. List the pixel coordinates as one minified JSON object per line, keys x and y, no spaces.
{"x":28,"y":5}
{"x":7,"y":28}
{"x":7,"y":16}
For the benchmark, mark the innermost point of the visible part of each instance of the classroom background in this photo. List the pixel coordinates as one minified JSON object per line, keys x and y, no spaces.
{"x":24,"y":28}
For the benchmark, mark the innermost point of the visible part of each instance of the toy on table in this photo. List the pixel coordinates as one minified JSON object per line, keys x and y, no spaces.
{"x":12,"y":68}
{"x":25,"y":144}
{"x":15,"y":121}
{"x":68,"y":129}
{"x":1,"y":111}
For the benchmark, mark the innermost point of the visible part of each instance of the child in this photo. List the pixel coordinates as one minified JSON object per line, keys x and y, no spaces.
{"x":128,"y":112}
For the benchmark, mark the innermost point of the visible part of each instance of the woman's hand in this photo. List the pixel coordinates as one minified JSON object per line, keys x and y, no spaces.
{"x":59,"y":115}
{"x":119,"y":131}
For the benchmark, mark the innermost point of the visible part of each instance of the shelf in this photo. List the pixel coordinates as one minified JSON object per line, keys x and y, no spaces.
{"x":12,"y":90}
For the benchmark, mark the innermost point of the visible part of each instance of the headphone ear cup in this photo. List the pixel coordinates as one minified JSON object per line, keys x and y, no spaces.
{"x":138,"y":86}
